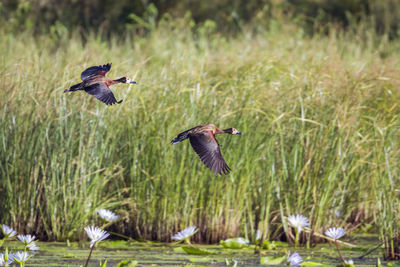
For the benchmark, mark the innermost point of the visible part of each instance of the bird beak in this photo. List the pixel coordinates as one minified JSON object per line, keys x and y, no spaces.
{"x":133,"y":82}
{"x":239,"y":133}
{"x":66,"y":90}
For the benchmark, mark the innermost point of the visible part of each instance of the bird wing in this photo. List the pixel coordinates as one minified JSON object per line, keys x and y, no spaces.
{"x":95,"y":70}
{"x":207,"y":147}
{"x":102,"y":93}
{"x":183,"y":135}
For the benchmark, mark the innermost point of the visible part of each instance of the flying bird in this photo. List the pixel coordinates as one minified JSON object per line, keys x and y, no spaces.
{"x":95,"y":83}
{"x":202,"y":139}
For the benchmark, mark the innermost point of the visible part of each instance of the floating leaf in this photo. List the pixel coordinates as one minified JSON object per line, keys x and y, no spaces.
{"x":272,"y":260}
{"x":235,"y":243}
{"x":127,"y":264}
{"x":311,"y":263}
{"x":196,"y":251}
{"x":393,"y":264}
{"x":346,"y":265}
{"x":117,"y":244}
{"x":69,"y":256}
{"x":271,"y":245}
{"x":178,"y":249}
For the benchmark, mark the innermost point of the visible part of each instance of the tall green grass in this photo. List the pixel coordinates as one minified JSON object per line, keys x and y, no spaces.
{"x":319,"y":116}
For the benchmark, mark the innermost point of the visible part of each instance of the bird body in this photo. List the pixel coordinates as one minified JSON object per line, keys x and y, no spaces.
{"x":94,"y":82}
{"x":202,"y":138}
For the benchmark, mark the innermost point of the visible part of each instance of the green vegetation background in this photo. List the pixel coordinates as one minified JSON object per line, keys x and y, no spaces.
{"x":313,"y":85}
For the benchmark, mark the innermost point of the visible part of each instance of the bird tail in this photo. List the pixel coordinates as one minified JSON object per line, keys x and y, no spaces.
{"x":180,"y":137}
{"x":74,"y":87}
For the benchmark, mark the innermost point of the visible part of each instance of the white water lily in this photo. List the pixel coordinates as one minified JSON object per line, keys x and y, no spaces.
{"x":335,"y":233}
{"x":185,"y":233}
{"x":3,"y":260}
{"x":295,"y":259}
{"x":258,"y":235}
{"x":107,"y":215}
{"x":298,"y":221}
{"x":26,"y":239}
{"x":242,"y":240}
{"x":8,"y":232}
{"x":96,"y":234}
{"x":32,"y":246}
{"x":21,"y":257}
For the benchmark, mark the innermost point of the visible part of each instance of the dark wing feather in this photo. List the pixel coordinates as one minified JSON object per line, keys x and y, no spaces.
{"x":207,"y":147}
{"x":102,"y":93}
{"x":95,"y":70}
{"x":182,"y":136}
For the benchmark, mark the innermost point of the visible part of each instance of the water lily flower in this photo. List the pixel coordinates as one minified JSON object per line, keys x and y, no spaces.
{"x":107,"y":215}
{"x":298,"y":221}
{"x":242,"y":240}
{"x":295,"y":259}
{"x":21,"y":257}
{"x":335,"y":233}
{"x":96,"y":234}
{"x":8,"y":232}
{"x":185,"y":234}
{"x":26,"y":239}
{"x":32,"y":246}
{"x":258,"y":235}
{"x":4,"y":261}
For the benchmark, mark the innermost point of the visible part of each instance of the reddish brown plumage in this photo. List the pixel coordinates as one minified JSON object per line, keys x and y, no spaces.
{"x":202,"y":138}
{"x":96,"y":84}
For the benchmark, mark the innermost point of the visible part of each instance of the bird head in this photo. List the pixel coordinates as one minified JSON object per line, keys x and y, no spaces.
{"x":129,"y":81}
{"x":125,"y":80}
{"x":232,"y":131}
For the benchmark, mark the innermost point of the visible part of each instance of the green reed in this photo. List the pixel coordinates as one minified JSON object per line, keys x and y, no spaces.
{"x":318,"y":116}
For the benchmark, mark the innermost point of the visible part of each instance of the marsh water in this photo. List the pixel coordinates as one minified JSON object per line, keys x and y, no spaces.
{"x":167,"y":254}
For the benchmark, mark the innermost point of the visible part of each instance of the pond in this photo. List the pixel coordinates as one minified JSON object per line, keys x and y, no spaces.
{"x":169,"y":254}
{"x":149,"y":253}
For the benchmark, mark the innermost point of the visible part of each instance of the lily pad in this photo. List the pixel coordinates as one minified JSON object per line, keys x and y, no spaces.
{"x":272,"y":260}
{"x":346,"y":265}
{"x":196,"y":251}
{"x":235,"y":243}
{"x":311,"y":263}
{"x":127,"y":264}
{"x":271,"y":245}
{"x":117,"y":244}
{"x":178,"y":249}
{"x":393,"y":264}
{"x":69,"y":256}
